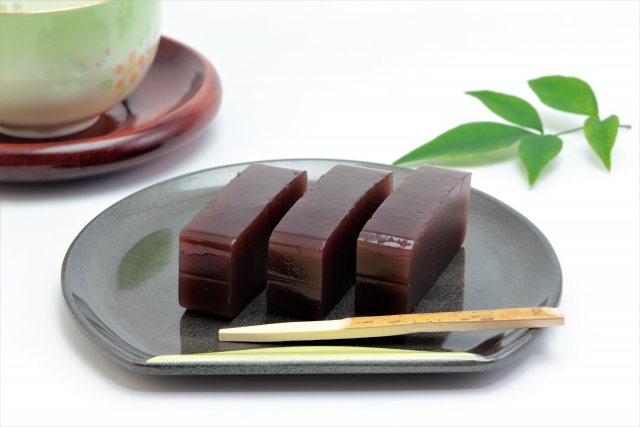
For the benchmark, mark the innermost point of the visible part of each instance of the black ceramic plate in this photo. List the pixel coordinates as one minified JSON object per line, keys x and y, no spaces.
{"x":120,"y":281}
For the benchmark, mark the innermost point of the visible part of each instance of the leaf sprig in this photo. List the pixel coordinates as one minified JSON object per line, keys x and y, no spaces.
{"x":536,"y":150}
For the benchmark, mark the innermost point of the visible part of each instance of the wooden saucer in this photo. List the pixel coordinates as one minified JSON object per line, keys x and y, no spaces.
{"x":179,"y":96}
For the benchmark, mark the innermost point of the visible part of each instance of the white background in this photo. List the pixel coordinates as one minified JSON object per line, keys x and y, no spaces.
{"x":365,"y":81}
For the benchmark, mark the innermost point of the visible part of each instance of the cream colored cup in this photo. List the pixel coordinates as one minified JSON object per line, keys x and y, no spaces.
{"x":64,"y":62}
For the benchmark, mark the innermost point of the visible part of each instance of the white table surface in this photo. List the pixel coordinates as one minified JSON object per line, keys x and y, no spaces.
{"x":364,"y":81}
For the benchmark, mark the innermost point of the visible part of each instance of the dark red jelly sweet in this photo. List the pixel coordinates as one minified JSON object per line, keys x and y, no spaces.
{"x":410,"y":240}
{"x":223,"y":249}
{"x":312,"y":252}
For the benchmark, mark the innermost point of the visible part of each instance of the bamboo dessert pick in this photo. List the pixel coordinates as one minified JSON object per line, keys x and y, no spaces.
{"x":384,"y":326}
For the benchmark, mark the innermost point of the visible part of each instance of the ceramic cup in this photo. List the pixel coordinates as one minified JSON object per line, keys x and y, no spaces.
{"x":64,"y":62}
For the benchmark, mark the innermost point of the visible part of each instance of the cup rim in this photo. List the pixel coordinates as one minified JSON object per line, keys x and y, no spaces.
{"x":62,"y":9}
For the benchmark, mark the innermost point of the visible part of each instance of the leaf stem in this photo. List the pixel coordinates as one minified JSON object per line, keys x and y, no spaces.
{"x":569,"y":131}
{"x":580,"y":128}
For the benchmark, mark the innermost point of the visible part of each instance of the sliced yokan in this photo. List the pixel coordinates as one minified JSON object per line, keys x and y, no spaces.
{"x":223,"y":249}
{"x":410,"y":240}
{"x":312,"y":252}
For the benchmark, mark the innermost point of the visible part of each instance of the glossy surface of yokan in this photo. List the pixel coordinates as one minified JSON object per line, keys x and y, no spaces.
{"x":223,"y":249}
{"x":410,"y":240}
{"x":312,"y":252}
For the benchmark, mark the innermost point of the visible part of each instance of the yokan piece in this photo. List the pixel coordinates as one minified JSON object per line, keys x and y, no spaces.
{"x":410,"y":240}
{"x":223,"y":249}
{"x":312,"y":252}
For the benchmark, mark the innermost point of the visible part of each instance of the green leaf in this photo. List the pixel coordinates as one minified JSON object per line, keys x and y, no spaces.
{"x":601,"y":136}
{"x":566,"y":94}
{"x":511,"y":108}
{"x":536,"y":152}
{"x":467,"y":140}
{"x":145,"y":259}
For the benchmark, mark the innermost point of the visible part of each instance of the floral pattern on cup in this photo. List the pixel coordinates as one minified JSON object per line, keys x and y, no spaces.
{"x":66,"y":70}
{"x":127,"y":73}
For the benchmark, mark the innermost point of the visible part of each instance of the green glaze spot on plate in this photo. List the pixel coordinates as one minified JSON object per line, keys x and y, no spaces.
{"x":145,"y":259}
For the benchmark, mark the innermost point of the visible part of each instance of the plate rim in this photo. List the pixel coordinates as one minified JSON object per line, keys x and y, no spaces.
{"x":262,"y":365}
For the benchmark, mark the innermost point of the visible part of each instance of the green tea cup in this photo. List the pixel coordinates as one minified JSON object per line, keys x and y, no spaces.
{"x":64,"y":62}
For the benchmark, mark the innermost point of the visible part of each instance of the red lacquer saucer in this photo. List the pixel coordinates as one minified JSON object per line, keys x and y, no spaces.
{"x":179,"y":96}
